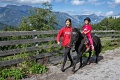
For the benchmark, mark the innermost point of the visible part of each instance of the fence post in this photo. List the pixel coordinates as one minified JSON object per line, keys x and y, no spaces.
{"x":35,"y":44}
{"x":113,"y":34}
{"x":35,"y":37}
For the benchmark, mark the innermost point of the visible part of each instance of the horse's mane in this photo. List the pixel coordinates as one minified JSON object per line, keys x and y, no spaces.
{"x":75,"y":30}
{"x":78,"y":31}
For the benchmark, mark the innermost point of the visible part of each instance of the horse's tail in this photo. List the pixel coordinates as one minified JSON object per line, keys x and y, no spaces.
{"x":100,"y":46}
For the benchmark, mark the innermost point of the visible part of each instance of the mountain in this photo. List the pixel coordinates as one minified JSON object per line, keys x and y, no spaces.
{"x":13,"y":14}
{"x":94,"y":18}
{"x":77,"y":20}
{"x":62,"y":16}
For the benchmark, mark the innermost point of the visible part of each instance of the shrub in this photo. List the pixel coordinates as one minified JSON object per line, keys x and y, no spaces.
{"x":36,"y":68}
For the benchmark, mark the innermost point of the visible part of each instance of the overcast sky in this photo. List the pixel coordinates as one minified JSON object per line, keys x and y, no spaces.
{"x":99,"y":7}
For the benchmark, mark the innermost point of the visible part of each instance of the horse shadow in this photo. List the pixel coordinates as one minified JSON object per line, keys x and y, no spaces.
{"x":84,"y":61}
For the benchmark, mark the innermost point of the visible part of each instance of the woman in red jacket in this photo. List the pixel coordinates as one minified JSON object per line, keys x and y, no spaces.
{"x":65,"y":33}
{"x":87,"y":31}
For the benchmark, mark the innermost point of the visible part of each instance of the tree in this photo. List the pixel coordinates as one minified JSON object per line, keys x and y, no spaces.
{"x":108,"y":24}
{"x":40,"y":19}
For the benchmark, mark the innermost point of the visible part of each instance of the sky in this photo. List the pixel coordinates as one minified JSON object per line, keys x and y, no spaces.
{"x":74,"y":7}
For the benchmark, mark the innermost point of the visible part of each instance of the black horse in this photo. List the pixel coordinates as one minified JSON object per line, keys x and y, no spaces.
{"x":77,"y":39}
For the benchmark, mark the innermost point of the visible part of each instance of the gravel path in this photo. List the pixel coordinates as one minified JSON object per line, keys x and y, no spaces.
{"x":108,"y":68}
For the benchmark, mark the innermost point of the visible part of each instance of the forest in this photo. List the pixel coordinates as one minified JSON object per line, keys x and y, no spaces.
{"x":110,"y":23}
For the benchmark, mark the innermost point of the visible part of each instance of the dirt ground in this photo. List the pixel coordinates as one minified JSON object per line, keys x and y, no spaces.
{"x":108,"y":68}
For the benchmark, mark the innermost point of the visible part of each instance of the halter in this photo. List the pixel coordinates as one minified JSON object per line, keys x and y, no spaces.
{"x":75,"y":34}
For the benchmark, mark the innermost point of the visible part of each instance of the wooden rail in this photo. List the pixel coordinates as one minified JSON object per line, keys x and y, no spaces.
{"x":37,"y":40}
{"x":21,"y":33}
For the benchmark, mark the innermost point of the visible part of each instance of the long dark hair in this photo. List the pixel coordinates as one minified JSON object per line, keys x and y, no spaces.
{"x":68,"y":19}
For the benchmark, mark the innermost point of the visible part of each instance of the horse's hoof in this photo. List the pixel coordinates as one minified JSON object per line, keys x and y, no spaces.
{"x":73,"y":71}
{"x":63,"y":70}
{"x":80,"y":67}
{"x":96,"y":62}
{"x":71,"y":65}
{"x":88,"y":63}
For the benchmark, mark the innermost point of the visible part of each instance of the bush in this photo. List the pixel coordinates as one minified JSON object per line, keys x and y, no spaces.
{"x":36,"y":68}
{"x":14,"y":73}
{"x":2,"y":78}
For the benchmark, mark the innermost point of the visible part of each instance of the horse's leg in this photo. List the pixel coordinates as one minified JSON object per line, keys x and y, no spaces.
{"x":70,"y":58}
{"x":78,"y":58}
{"x":65,"y":58}
{"x":88,"y":60}
{"x":97,"y":54}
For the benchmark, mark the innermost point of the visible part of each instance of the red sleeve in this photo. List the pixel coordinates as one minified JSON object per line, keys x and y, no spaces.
{"x":60,"y":33}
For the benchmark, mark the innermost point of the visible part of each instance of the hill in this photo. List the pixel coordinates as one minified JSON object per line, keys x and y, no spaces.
{"x":13,"y":14}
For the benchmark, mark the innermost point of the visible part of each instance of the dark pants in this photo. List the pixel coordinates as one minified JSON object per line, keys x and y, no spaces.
{"x":67,"y":54}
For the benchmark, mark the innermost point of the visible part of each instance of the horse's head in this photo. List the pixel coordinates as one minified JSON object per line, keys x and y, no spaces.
{"x":75,"y":36}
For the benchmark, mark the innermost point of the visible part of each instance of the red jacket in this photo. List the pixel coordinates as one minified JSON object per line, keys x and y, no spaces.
{"x":65,"y":33}
{"x":87,"y":28}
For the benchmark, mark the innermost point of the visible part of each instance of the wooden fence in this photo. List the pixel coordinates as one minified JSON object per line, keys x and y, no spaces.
{"x":40,"y":56}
